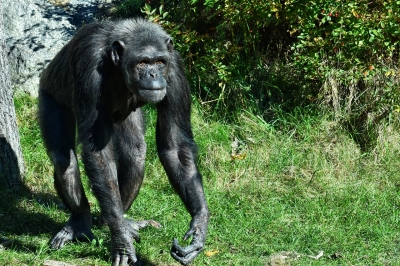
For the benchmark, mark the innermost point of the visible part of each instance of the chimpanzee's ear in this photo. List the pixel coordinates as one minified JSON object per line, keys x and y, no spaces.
{"x":170,"y":44}
{"x":117,"y":50}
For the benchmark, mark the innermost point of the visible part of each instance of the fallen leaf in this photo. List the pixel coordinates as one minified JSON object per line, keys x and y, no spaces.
{"x":211,"y":253}
{"x":241,"y":156}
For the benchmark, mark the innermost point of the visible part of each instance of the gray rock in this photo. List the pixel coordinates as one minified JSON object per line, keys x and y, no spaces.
{"x":37,"y":29}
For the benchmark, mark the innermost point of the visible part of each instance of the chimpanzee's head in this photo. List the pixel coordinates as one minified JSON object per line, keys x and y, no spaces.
{"x":144,"y":58}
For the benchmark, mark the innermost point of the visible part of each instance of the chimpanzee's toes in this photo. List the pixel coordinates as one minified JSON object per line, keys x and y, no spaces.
{"x":61,"y":238}
{"x":68,"y":233}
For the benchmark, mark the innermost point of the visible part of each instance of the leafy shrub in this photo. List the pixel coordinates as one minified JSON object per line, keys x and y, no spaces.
{"x":352,"y":47}
{"x":226,"y":67}
{"x":253,"y":55}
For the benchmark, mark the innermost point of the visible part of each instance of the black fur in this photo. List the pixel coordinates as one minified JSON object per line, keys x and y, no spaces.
{"x":97,"y":84}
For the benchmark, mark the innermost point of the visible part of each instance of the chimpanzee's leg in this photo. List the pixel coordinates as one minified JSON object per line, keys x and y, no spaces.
{"x":130,"y":149}
{"x":100,"y":159}
{"x":57,"y":124}
{"x":131,"y":153}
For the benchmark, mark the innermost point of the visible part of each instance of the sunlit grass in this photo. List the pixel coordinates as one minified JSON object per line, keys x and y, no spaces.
{"x":278,"y":192}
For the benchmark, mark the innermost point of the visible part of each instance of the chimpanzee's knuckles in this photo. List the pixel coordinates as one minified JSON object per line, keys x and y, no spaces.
{"x":184,"y":260}
{"x":186,"y":255}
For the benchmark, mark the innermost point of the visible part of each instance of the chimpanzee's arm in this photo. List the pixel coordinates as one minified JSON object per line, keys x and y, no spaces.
{"x":95,"y":129}
{"x":177,"y":152}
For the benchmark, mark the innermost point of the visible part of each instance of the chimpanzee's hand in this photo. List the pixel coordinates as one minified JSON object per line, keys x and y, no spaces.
{"x":186,"y":255}
{"x":122,"y":249}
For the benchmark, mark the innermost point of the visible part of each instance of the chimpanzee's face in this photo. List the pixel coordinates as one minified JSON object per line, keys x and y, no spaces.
{"x":149,"y":73}
{"x":145,"y":69}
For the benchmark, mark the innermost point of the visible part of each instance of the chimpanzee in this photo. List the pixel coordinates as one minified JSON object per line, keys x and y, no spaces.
{"x":95,"y":86}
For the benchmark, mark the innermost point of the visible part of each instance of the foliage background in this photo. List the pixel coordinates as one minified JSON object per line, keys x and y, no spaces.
{"x":338,"y":56}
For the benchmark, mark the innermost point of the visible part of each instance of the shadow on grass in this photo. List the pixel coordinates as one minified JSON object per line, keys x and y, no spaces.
{"x":18,"y":214}
{"x":20,"y":220}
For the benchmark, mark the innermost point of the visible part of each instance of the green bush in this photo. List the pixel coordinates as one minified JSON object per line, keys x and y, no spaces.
{"x":352,"y":48}
{"x":225,"y":64}
{"x":343,"y":55}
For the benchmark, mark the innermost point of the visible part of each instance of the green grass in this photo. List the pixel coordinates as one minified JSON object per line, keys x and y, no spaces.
{"x":287,"y":190}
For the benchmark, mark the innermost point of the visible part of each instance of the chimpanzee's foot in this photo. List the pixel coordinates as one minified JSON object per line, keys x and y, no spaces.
{"x":75,"y":229}
{"x":122,"y":248}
